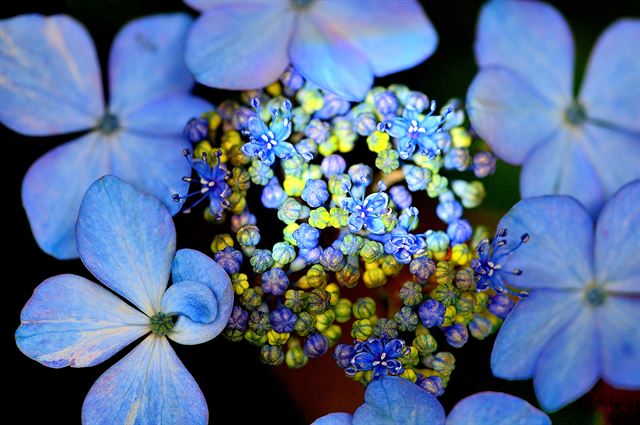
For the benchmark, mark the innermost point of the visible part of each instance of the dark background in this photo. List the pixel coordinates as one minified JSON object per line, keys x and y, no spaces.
{"x":233,"y":380}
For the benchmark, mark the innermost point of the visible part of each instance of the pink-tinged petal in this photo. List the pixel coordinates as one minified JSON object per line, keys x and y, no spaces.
{"x":52,"y":191}
{"x":529,"y":328}
{"x":618,"y":243}
{"x":323,"y":56}
{"x":532,"y":39}
{"x":618,"y":321}
{"x":49,"y":76}
{"x":147,"y":61}
{"x":495,"y":409}
{"x":510,"y":114}
{"x":240,"y":46}
{"x":569,"y":365}
{"x":150,"y":385}
{"x":611,"y":88}
{"x":70,"y":321}
{"x":127,"y":240}
{"x":393,"y":36}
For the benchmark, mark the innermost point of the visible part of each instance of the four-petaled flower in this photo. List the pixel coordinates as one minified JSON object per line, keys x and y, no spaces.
{"x":51,"y":85}
{"x":522,"y":102}
{"x":367,"y":212}
{"x":127,"y":240}
{"x":581,"y":320}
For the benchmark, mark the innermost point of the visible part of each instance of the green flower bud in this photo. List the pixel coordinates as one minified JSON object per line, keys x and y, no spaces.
{"x":248,"y":235}
{"x":289,"y":211}
{"x":444,"y":272}
{"x":338,"y":183}
{"x":349,"y":276}
{"x":361,"y":329}
{"x":324,"y":320}
{"x":333,"y":334}
{"x":275,"y":338}
{"x":251,"y":298}
{"x":271,"y":355}
{"x":296,"y":358}
{"x":240,"y":179}
{"x":316,"y":276}
{"x":234,"y":335}
{"x":305,"y":324}
{"x":464,"y":303}
{"x":390,"y":266}
{"x":221,"y":241}
{"x":364,"y":308}
{"x":437,"y":186}
{"x":480,"y":327}
{"x":374,"y":278}
{"x":295,"y":301}
{"x":351,"y":244}
{"x":443,"y":363}
{"x":339,"y":217}
{"x":261,"y":260}
{"x":319,"y":218}
{"x":283,"y":253}
{"x":471,"y":194}
{"x":386,"y":328}
{"x":388,"y":160}
{"x":254,"y":338}
{"x":465,"y":280}
{"x":407,"y":319}
{"x":445,"y":293}
{"x":425,"y":344}
{"x":411,"y":359}
{"x":449,"y":314}
{"x":260,"y":173}
{"x":411,"y":294}
{"x":259,"y":322}
{"x":318,"y":301}
{"x":371,"y":251}
{"x":342,"y":310}
{"x":482,"y":300}
{"x":239,"y":282}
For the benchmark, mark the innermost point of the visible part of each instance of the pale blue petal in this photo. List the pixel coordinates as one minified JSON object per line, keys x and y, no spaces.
{"x":50,"y":80}
{"x":153,"y":164}
{"x":327,"y":60}
{"x":393,"y":400}
{"x":52,"y":191}
{"x":618,"y":321}
{"x":495,"y":409}
{"x":147,"y":61}
{"x":127,"y":240}
{"x":527,"y":330}
{"x":334,"y":419}
{"x":510,"y":114}
{"x":618,"y":243}
{"x":615,"y":58}
{"x":559,"y":253}
{"x":150,"y":386}
{"x":165,"y":116}
{"x":561,"y":166}
{"x":191,"y":265}
{"x":70,"y":321}
{"x":569,"y":364}
{"x":531,"y":38}
{"x":393,"y":36}
{"x":192,"y":300}
{"x":241,"y":46}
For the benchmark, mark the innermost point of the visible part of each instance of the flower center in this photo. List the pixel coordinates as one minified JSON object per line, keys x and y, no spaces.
{"x":161,"y":324}
{"x":108,"y":123}
{"x":595,"y":295}
{"x":575,"y":114}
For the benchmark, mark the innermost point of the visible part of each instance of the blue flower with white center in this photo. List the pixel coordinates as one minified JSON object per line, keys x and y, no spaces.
{"x":380,"y":356}
{"x":392,"y":400}
{"x":523,"y":104}
{"x":339,"y":46}
{"x":127,"y":240}
{"x":212,"y":181}
{"x":413,"y":131}
{"x":267,"y":142}
{"x":403,"y":245}
{"x":367,"y":212}
{"x":52,"y":86}
{"x":581,"y":320}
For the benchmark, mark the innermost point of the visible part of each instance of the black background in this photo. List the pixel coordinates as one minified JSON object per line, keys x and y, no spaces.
{"x":234,"y":382}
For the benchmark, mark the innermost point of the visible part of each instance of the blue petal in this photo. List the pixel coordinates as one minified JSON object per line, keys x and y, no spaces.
{"x":510,"y":114}
{"x":530,"y":326}
{"x":148,"y":386}
{"x":617,"y":320}
{"x":495,"y":409}
{"x":375,"y":225}
{"x":329,"y":61}
{"x":70,"y":321}
{"x":192,"y":300}
{"x":394,"y":400}
{"x":617,"y":241}
{"x":240,"y":46}
{"x":559,"y":253}
{"x":190,"y":265}
{"x":393,"y":36}
{"x":569,"y":364}
{"x":153,"y":164}
{"x":532,"y":39}
{"x":146,"y":61}
{"x":202,"y":5}
{"x":50,"y":76}
{"x":165,"y":116}
{"x":52,"y":191}
{"x":127,"y":240}
{"x":614,"y":58}
{"x":334,"y":419}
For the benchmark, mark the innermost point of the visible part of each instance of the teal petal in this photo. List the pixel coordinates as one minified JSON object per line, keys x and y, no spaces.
{"x":495,"y":409}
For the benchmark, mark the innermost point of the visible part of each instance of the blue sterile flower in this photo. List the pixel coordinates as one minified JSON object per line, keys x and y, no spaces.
{"x":275,"y":281}
{"x":196,"y":130}
{"x":339,"y":46}
{"x":379,"y":356}
{"x":315,"y":192}
{"x":522,"y":102}
{"x":431,"y":313}
{"x":413,"y":131}
{"x":393,"y":400}
{"x":212,"y":181}
{"x":367,"y":212}
{"x":273,"y":195}
{"x":128,"y":241}
{"x":267,"y":142}
{"x":282,"y":320}
{"x":230,"y":259}
{"x":306,"y":237}
{"x":403,"y":245}
{"x":581,"y":320}
{"x":52,"y":85}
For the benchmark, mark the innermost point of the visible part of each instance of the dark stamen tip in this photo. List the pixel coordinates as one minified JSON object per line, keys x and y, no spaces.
{"x":525,"y":238}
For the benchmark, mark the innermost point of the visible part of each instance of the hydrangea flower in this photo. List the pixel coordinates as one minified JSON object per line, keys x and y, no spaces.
{"x":52,"y":85}
{"x":581,"y":320}
{"x":378,"y":355}
{"x":367,"y":212}
{"x":127,"y":240}
{"x":522,"y":102}
{"x":338,"y":46}
{"x":393,"y":400}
